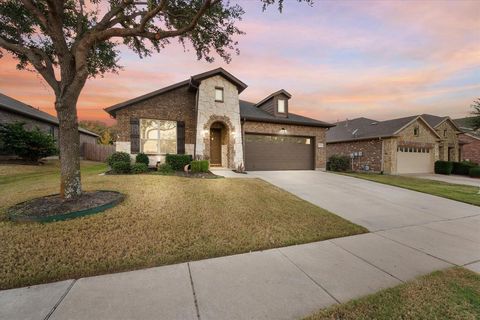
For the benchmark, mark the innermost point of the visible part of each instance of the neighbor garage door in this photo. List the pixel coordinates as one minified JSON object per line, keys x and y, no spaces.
{"x":414,"y":160}
{"x":278,"y":152}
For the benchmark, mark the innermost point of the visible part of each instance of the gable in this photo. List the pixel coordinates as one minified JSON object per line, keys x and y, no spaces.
{"x":426,"y":133}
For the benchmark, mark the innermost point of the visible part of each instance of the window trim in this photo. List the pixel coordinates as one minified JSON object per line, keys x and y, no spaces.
{"x":159,"y":139}
{"x":223,"y":94}
{"x":284,"y":106}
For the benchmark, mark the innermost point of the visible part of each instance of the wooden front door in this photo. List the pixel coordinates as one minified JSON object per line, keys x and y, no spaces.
{"x":216,"y":146}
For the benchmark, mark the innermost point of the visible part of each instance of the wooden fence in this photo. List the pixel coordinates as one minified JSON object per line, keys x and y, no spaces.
{"x":96,"y":152}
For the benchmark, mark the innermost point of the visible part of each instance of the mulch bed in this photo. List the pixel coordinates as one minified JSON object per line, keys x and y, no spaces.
{"x":54,"y":205}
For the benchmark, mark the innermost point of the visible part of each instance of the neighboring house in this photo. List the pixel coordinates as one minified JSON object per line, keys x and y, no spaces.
{"x":12,"y":110}
{"x":405,"y":145}
{"x":469,"y":140}
{"x":203,"y":116}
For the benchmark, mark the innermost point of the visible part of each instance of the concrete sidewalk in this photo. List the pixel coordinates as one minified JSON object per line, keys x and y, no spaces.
{"x":424,"y":234}
{"x":456,"y":179}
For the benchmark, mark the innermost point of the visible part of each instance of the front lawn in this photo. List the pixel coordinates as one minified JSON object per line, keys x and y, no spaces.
{"x":463,"y":193}
{"x":163,"y":220}
{"x":452,"y":294}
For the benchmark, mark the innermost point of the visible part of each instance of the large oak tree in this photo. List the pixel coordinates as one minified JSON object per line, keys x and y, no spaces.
{"x":68,"y":41}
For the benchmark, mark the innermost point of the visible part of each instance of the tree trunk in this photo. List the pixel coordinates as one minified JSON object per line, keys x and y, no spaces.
{"x":69,"y":145}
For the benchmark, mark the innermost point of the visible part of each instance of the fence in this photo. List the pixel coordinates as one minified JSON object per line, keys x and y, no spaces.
{"x":96,"y":152}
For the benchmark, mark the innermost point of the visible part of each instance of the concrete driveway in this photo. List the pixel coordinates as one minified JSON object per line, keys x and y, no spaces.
{"x":373,"y":205}
{"x":450,"y":179}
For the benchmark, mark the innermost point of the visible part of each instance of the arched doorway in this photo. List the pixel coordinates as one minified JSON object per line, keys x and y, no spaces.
{"x":218,"y":144}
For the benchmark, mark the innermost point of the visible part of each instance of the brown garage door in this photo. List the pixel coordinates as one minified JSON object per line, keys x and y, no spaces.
{"x":279,"y":152}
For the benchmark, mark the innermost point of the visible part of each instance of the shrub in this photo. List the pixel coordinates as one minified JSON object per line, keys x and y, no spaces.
{"x":443,"y":167}
{"x":28,"y":145}
{"x":118,"y":157}
{"x":339,"y":163}
{"x":178,"y":161}
{"x":121,"y":167}
{"x":475,"y":172}
{"x":200,"y":165}
{"x":165,"y":168}
{"x":139,"y":167}
{"x":142,"y":158}
{"x":463,"y":168}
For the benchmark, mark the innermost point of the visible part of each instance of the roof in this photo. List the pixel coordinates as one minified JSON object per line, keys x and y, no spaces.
{"x":249,"y":111}
{"x":113,"y":109}
{"x":364,"y":128}
{"x":281,"y":91}
{"x":193,"y":82}
{"x":222,"y":72}
{"x":466,"y":125}
{"x":26,"y":110}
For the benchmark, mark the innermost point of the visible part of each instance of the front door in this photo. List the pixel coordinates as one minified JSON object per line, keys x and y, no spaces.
{"x":216,"y":146}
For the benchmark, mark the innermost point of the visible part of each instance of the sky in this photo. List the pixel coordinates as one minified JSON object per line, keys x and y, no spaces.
{"x":338,"y":59}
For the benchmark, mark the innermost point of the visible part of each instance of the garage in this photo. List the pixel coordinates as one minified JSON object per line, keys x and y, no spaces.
{"x":414,"y":160}
{"x":278,"y":152}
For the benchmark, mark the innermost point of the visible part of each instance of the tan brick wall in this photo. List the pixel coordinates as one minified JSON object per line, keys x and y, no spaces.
{"x":371,"y":153}
{"x":450,"y":141}
{"x":176,"y":105}
{"x":273,"y":128}
{"x":425,"y":139}
{"x":390,"y":155}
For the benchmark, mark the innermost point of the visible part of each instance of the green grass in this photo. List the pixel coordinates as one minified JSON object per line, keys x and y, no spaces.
{"x":452,"y":294}
{"x":463,"y":193}
{"x":163,"y":220}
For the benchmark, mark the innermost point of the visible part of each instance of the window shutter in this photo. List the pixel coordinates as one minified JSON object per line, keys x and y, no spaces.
{"x":180,"y":137}
{"x":134,"y":135}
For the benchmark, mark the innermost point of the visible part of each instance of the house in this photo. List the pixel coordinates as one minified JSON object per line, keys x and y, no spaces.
{"x":469,"y":140}
{"x":398,"y":146}
{"x":204,"y":116}
{"x":12,"y":110}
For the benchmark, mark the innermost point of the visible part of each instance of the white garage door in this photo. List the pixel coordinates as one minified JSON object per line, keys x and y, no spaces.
{"x":414,"y":160}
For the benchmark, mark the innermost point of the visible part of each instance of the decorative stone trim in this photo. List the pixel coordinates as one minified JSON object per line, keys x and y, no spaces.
{"x":226,"y":136}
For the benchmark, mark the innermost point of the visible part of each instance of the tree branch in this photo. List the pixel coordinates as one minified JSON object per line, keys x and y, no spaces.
{"x":38,"y":14}
{"x":35,"y":57}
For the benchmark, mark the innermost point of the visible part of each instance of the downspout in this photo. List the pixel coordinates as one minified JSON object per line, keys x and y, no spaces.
{"x":382,"y":168}
{"x":243,"y":140}
{"x":196,"y":119}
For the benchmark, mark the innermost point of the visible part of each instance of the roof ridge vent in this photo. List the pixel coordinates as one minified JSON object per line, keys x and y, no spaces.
{"x":374,"y":123}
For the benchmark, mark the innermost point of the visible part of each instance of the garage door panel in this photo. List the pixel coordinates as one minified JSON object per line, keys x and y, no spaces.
{"x":278,"y":153}
{"x":414,"y":160}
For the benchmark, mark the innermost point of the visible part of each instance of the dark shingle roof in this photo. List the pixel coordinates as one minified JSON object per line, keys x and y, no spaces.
{"x":21,"y":108}
{"x":363,"y":128}
{"x":249,"y":111}
{"x":281,"y":91}
{"x":466,"y":125}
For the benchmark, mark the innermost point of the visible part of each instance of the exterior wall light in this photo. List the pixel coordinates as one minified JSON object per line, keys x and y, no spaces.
{"x":283,"y":131}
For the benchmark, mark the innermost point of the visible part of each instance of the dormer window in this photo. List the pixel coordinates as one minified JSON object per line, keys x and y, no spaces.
{"x":281,"y":106}
{"x":218,"y":94}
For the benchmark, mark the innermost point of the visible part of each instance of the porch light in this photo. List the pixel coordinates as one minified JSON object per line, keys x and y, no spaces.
{"x":283,"y":131}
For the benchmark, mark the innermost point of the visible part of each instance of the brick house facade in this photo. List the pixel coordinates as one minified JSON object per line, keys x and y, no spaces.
{"x":397,"y":146}
{"x":12,"y":110}
{"x":212,"y":122}
{"x":470,"y":147}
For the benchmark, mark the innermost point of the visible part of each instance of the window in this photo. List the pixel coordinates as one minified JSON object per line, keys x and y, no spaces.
{"x":416,"y":131}
{"x":445,"y":133}
{"x":218,"y":94}
{"x":158,"y":136}
{"x":281,"y":106}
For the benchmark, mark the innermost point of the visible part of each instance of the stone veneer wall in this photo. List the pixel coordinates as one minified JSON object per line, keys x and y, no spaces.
{"x":471,"y":149}
{"x":274,"y":128}
{"x":371,"y":153}
{"x":450,"y":141}
{"x":227,"y":112}
{"x":175,"y":105}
